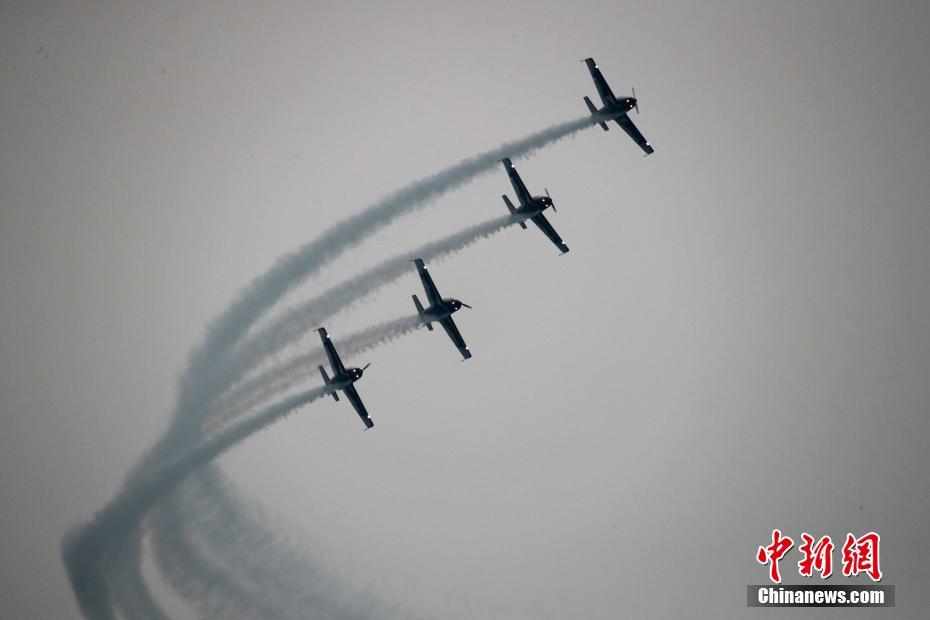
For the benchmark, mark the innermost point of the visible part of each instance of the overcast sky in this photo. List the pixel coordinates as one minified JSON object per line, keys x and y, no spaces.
{"x":739,"y":339}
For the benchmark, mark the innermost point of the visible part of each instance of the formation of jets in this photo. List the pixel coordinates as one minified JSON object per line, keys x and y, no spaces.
{"x":441,"y":309}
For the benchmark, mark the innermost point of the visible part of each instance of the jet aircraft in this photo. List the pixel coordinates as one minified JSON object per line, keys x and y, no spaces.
{"x":615,"y":109}
{"x":343,"y":378}
{"x":531,"y":207}
{"x":440,"y":309}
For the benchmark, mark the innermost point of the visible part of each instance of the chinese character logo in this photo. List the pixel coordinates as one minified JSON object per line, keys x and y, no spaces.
{"x":817,"y":557}
{"x":773,"y":553}
{"x":860,"y":555}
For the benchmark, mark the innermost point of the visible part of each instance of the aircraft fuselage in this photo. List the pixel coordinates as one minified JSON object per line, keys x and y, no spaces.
{"x":617,"y":107}
{"x":537,"y":206}
{"x":343,"y":380}
{"x":439,"y":311}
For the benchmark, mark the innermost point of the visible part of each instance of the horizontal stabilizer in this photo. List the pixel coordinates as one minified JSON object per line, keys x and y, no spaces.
{"x":420,"y":311}
{"x":326,"y":381}
{"x":512,"y":209}
{"x":593,"y":110}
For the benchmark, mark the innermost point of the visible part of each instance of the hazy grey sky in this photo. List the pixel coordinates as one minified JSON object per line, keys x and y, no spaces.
{"x":739,"y":339}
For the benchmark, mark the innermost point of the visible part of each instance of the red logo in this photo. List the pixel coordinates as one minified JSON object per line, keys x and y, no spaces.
{"x":860,"y":555}
{"x":817,"y":557}
{"x":773,"y":553}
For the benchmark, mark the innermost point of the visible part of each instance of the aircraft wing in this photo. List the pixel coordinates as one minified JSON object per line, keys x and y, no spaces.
{"x":334,"y":360}
{"x":627,"y":125}
{"x":356,"y":401}
{"x":449,"y":325}
{"x":523,"y":195}
{"x":544,"y":225}
{"x":432,"y":293}
{"x":607,"y":95}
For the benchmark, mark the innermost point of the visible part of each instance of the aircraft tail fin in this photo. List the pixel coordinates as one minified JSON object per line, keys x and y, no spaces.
{"x":420,"y":311}
{"x":512,"y":209}
{"x":327,"y":382}
{"x":593,"y":110}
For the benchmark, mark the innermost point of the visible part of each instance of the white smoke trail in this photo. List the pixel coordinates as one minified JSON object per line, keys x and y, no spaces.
{"x":210,"y":589}
{"x":280,"y":379}
{"x":294,"y":323}
{"x":175,"y":554}
{"x":134,"y":589}
{"x":126,"y":582}
{"x":87,"y":551}
{"x":286,"y":375}
{"x":292,"y":269}
{"x":213,"y":589}
{"x":216,"y":555}
{"x":231,"y":533}
{"x":206,"y":508}
{"x":354,"y":289}
{"x":120,"y":518}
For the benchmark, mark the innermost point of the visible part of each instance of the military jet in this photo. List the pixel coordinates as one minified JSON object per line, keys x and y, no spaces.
{"x":531,"y":207}
{"x":440,"y":309}
{"x":343,"y":378}
{"x":615,"y":109}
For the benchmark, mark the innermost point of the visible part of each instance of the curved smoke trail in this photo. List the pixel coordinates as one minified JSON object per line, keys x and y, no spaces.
{"x":241,"y":539}
{"x":234,"y":536}
{"x":244,"y":543}
{"x":116,"y":527}
{"x":294,"y":268}
{"x":93,"y":552}
{"x":209,"y":587}
{"x":297,"y":321}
